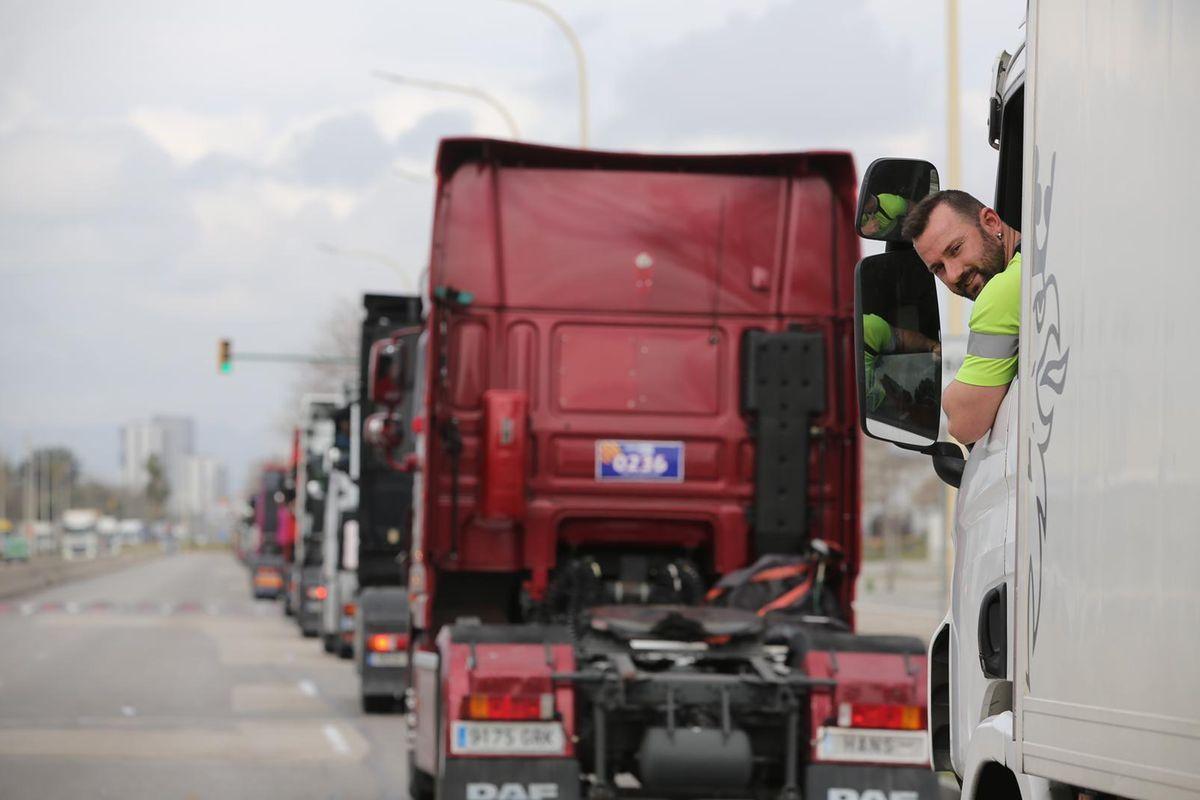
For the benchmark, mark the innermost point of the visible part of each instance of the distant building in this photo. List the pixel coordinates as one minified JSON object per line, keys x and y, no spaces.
{"x":203,"y":486}
{"x":172,"y":439}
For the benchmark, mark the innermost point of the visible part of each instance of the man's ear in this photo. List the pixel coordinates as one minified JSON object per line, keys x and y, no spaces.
{"x":990,"y":221}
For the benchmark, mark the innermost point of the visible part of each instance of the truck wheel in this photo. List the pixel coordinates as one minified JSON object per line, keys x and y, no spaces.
{"x":330,"y":643}
{"x":420,"y":783}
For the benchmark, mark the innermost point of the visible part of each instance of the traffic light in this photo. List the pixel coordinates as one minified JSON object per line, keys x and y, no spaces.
{"x":225,"y":356}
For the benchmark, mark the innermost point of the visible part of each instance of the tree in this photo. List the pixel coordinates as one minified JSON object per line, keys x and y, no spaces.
{"x":338,"y":336}
{"x":47,"y":479}
{"x":157,"y":487}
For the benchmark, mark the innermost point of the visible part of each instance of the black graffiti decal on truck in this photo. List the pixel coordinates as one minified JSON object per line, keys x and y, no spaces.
{"x":1049,"y":376}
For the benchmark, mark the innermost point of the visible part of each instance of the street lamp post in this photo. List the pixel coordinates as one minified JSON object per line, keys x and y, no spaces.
{"x":455,"y":88}
{"x":954,"y":302}
{"x":580,"y":61}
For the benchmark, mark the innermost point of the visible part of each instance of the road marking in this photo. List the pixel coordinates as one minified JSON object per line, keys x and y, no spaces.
{"x":336,"y":740}
{"x":72,"y":608}
{"x":26,"y":609}
{"x":129,"y":711}
{"x":307,"y":687}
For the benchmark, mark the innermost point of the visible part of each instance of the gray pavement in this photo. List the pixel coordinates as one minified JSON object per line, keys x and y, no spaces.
{"x":166,"y":680}
{"x":902,"y":598}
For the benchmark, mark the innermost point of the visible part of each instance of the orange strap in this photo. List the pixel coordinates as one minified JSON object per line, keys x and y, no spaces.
{"x":780,"y":573}
{"x":787,"y":598}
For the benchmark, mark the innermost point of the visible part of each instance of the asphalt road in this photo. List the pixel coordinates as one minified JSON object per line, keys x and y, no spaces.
{"x":166,"y":680}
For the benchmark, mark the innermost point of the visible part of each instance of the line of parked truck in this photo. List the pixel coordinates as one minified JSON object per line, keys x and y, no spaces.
{"x":595,"y":499}
{"x":590,"y":515}
{"x":329,"y":530}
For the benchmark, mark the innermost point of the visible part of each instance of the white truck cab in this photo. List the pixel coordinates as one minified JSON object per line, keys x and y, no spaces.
{"x":340,"y":543}
{"x":1067,"y":661}
{"x":80,"y":534}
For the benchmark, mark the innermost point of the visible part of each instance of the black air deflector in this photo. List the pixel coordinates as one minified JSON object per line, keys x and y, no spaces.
{"x":385,"y":496}
{"x":783,"y":387}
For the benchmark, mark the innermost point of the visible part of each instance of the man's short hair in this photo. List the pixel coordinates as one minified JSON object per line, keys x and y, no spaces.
{"x":964,"y":204}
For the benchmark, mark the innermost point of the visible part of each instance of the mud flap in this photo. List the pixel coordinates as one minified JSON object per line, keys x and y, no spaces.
{"x":846,"y":782}
{"x":510,"y":779}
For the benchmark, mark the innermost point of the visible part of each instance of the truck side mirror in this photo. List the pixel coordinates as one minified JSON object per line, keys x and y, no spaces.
{"x":898,"y":352}
{"x":890,"y":188}
{"x":385,"y":383}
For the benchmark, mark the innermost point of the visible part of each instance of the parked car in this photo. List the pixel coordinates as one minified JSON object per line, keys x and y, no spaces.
{"x":16,"y":548}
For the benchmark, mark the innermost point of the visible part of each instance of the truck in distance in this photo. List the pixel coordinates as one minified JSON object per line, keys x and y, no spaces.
{"x":391,"y":325}
{"x":80,"y":535}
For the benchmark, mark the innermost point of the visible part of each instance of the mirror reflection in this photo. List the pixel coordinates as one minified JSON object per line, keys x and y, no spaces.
{"x":901,"y":348}
{"x":891,"y":187}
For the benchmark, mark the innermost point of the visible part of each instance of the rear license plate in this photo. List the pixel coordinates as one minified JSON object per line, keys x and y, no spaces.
{"x":506,"y":738}
{"x":636,"y":460}
{"x":387,"y":659}
{"x":872,"y":746}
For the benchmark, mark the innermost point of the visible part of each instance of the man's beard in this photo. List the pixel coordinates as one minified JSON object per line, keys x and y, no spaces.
{"x":990,"y":265}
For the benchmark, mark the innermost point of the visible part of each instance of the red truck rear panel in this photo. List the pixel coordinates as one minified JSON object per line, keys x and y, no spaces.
{"x":614,"y":290}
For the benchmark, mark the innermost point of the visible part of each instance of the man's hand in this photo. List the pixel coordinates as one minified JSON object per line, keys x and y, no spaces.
{"x":971,"y":410}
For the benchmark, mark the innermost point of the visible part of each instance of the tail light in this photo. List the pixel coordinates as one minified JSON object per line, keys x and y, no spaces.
{"x":317,"y":593}
{"x":349,"y":609}
{"x":387,"y":642}
{"x":508,"y":706}
{"x":878,"y":715}
{"x":265,"y":576}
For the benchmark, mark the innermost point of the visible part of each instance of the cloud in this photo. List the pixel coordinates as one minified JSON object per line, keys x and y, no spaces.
{"x":63,"y":171}
{"x":345,"y":151}
{"x":188,"y":137}
{"x":788,"y":77}
{"x":420,"y":141}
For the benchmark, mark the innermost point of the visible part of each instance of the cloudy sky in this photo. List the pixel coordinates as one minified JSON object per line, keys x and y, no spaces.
{"x":167,"y":169}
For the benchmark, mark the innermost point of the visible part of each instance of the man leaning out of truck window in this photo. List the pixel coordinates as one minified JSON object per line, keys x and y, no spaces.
{"x":977,"y":256}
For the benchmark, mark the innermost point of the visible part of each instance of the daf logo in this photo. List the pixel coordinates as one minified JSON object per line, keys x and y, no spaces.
{"x":872,"y":794}
{"x":512,"y":791}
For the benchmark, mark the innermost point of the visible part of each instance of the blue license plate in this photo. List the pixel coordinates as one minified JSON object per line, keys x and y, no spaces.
{"x":634,"y":460}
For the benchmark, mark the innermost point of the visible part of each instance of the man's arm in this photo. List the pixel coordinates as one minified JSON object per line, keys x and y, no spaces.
{"x":971,"y":410}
